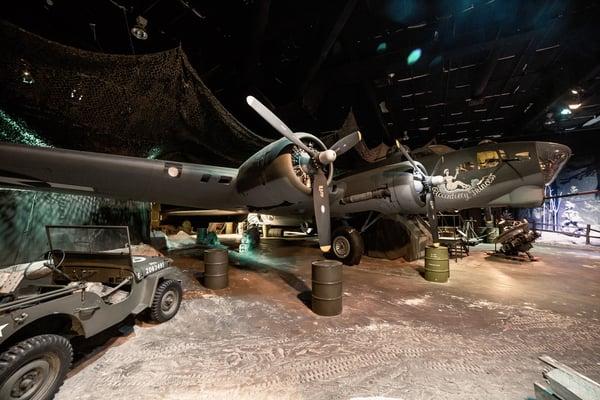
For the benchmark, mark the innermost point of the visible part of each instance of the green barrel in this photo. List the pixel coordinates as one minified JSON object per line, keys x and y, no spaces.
{"x":437,"y":268}
{"x":327,"y":287}
{"x":216,"y":265}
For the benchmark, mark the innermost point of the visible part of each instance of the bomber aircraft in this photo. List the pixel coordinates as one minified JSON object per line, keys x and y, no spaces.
{"x":294,"y":176}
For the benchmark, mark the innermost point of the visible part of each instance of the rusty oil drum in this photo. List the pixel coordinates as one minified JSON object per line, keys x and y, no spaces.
{"x":216,"y":266}
{"x":437,"y":268}
{"x":327,"y":287}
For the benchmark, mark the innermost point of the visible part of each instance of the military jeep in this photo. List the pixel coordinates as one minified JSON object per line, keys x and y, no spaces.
{"x":89,"y":282}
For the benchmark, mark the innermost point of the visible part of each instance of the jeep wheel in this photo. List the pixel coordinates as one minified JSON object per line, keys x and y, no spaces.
{"x":166,"y":301}
{"x":35,"y":369}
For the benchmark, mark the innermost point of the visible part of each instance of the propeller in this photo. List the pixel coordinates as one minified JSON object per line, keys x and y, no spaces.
{"x":432,"y":216}
{"x":320,"y":159}
{"x":429,"y":181}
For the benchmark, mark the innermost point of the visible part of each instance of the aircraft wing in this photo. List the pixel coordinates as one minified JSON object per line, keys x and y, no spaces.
{"x":204,"y":213}
{"x":121,"y":177}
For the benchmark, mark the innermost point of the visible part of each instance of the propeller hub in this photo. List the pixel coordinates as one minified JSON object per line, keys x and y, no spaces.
{"x":437,"y":180}
{"x":327,"y":157}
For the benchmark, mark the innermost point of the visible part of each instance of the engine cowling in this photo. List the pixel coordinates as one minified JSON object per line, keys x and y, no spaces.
{"x":284,"y":168}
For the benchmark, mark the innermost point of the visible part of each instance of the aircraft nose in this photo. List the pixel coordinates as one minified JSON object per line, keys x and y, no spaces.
{"x":552,"y":157}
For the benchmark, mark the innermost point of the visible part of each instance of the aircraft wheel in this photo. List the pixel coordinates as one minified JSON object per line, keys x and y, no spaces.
{"x":35,"y":368}
{"x":347,"y":245}
{"x":166,"y":301}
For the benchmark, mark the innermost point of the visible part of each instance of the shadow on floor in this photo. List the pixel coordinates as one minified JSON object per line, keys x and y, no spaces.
{"x":87,"y":350}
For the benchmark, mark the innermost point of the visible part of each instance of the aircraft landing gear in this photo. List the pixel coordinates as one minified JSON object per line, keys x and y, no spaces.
{"x":346,"y":245}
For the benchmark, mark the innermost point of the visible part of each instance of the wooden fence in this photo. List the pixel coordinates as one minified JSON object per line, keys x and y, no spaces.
{"x":536,"y":226}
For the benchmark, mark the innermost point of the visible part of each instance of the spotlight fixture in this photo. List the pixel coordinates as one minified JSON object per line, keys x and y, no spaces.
{"x":382,"y":47}
{"x":565,"y":111}
{"x":139,"y":29}
{"x":26,"y":77}
{"x":574,"y":98}
{"x":414,"y":56}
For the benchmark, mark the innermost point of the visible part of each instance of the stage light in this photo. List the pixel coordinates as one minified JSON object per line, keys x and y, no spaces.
{"x":413,"y":57}
{"x":26,"y":77}
{"x":565,"y":111}
{"x":139,"y":29}
{"x":382,"y":47}
{"x":573,"y":99}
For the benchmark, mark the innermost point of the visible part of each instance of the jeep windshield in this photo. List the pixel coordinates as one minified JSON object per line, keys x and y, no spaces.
{"x":89,"y":239}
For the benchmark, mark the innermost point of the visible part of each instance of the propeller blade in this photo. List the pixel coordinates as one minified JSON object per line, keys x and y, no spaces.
{"x":409,"y":158}
{"x":276,"y":123}
{"x":432,"y":216}
{"x":321,"y":204}
{"x":346,"y":143}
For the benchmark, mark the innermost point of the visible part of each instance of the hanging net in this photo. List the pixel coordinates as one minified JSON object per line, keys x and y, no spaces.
{"x":122,"y":104}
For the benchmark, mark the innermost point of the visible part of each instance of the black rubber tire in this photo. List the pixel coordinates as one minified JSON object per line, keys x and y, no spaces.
{"x":357,"y":246}
{"x":165,"y":288}
{"x":53,"y":350}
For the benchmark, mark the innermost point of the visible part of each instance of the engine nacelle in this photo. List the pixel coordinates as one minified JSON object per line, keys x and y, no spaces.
{"x":277,"y":165}
{"x":388,"y":193}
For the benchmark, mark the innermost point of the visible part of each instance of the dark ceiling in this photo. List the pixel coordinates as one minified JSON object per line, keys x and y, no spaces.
{"x":488,"y":69}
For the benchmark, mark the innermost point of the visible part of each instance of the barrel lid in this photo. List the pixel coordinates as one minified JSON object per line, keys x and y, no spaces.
{"x":327,"y":263}
{"x":215,"y":250}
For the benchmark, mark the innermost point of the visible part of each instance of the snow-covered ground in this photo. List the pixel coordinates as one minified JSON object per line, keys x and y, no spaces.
{"x":558,"y":239}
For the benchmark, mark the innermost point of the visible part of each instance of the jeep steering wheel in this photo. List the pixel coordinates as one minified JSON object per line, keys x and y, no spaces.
{"x":56,"y":268}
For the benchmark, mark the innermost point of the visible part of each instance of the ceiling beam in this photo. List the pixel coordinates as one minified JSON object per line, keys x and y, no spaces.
{"x":259,"y":27}
{"x":328,"y":44}
{"x":396,"y":61}
{"x":554,"y":88}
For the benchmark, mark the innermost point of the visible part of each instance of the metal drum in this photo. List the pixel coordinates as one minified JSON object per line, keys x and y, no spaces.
{"x":436,"y":264}
{"x":216,"y":265}
{"x":327,"y":287}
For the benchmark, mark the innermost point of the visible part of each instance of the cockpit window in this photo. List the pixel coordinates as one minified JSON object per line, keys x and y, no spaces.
{"x":466,"y":166}
{"x":552,"y":157}
{"x":488,"y":159}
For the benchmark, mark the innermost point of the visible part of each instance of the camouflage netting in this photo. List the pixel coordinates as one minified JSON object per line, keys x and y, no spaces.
{"x":122,"y":104}
{"x":24,"y":214}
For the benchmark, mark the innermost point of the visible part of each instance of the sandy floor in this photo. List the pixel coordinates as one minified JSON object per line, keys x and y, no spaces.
{"x":400,"y":337}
